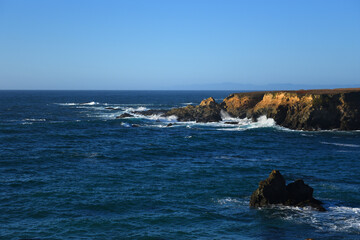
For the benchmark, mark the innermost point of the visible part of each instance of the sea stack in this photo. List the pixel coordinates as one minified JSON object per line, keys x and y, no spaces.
{"x":273,"y":190}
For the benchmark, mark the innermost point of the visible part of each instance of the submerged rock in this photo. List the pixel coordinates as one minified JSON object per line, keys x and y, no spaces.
{"x":112,"y":108}
{"x":125,"y":115}
{"x":273,"y":190}
{"x":151,"y":112}
{"x":234,"y":123}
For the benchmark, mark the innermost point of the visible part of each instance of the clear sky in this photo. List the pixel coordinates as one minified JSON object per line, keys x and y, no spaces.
{"x":178,"y":44}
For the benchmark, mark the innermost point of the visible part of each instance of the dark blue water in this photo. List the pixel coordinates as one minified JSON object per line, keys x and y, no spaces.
{"x":70,"y":170}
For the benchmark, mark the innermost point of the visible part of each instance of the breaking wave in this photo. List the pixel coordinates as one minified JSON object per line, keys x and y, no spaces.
{"x":341,"y":144}
{"x":335,"y":219}
{"x":138,"y":109}
{"x":228,"y":123}
{"x":77,"y":104}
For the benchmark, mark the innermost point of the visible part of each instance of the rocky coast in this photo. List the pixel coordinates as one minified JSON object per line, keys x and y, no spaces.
{"x":325,"y":109}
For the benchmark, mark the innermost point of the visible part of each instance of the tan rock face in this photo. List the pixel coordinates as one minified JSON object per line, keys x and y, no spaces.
{"x":304,"y":109}
{"x":238,"y":105}
{"x":307,"y":110}
{"x":207,"y":102}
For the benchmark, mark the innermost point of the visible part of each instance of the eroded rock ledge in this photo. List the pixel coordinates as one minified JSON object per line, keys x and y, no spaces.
{"x":273,"y":190}
{"x":303,"y":110}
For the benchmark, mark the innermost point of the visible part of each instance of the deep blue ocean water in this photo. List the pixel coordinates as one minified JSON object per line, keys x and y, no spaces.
{"x":70,"y":170}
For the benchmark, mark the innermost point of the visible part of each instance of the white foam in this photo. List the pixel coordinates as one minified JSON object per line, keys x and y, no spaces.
{"x":228,"y":200}
{"x":75,"y":104}
{"x":125,"y":124}
{"x":263,"y":121}
{"x":159,"y":117}
{"x":247,"y":123}
{"x":336,"y":218}
{"x":89,"y":103}
{"x":341,"y":144}
{"x":34,"y":119}
{"x":138,"y":109}
{"x":226,"y":116}
{"x":67,"y":104}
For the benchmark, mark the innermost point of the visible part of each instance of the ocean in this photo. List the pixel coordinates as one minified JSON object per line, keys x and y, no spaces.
{"x":70,"y":170}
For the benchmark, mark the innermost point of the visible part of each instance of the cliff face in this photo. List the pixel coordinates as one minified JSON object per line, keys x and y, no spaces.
{"x":307,"y":110}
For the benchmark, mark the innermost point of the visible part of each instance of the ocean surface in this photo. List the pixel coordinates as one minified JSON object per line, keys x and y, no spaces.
{"x":70,"y":170}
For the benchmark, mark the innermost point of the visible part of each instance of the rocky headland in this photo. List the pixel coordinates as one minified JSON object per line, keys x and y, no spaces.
{"x":273,"y":190}
{"x":324,"y":109}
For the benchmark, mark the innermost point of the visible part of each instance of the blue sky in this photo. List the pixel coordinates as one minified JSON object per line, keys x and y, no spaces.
{"x":179,"y":44}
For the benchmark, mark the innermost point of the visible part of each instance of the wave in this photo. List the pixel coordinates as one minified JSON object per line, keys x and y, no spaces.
{"x":76,"y":104}
{"x":138,"y":109}
{"x":247,"y":123}
{"x":34,"y":119}
{"x":159,"y":117}
{"x":67,"y":104}
{"x":341,"y":144}
{"x":228,"y":200}
{"x":90,"y":103}
{"x":336,"y":218}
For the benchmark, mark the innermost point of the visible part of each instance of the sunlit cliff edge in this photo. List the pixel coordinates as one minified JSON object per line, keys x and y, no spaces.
{"x":321,"y":109}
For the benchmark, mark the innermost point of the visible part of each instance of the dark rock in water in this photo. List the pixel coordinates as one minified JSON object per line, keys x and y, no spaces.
{"x":273,"y":190}
{"x":270,"y":191}
{"x":234,"y":123}
{"x":298,"y":191}
{"x":151,"y":112}
{"x":112,"y":108}
{"x":170,"y":124}
{"x":124,"y":115}
{"x":301,"y":195}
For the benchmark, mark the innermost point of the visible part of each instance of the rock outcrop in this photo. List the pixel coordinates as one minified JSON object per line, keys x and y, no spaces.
{"x":125,"y":115}
{"x":273,"y":190}
{"x":207,"y":111}
{"x":303,"y":110}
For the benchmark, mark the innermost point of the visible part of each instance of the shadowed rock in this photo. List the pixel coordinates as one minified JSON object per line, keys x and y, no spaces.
{"x":270,"y":191}
{"x":207,"y":111}
{"x":233,"y":123}
{"x":112,"y":108}
{"x":273,"y":190}
{"x":124,"y":115}
{"x":151,"y":112}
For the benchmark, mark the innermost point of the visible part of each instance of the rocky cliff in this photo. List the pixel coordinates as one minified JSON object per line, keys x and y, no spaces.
{"x":305,"y":110}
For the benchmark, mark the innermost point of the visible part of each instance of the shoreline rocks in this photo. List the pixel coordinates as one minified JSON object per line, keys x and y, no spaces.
{"x":125,"y":115}
{"x":207,"y":111}
{"x":311,"y":110}
{"x":273,"y":190}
